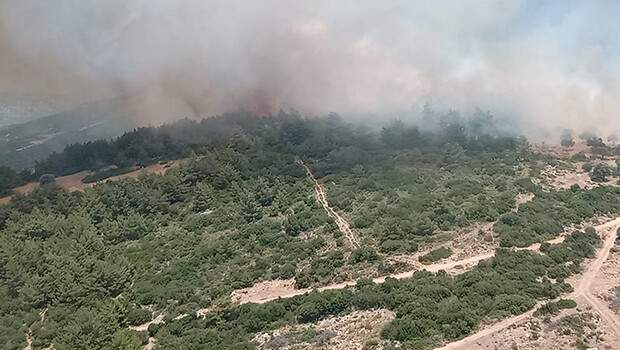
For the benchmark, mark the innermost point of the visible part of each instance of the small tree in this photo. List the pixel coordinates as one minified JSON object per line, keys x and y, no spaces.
{"x":47,"y":179}
{"x":600,"y":173}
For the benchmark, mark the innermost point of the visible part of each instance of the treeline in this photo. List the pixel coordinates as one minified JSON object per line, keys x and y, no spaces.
{"x":288,"y":132}
{"x":310,"y":137}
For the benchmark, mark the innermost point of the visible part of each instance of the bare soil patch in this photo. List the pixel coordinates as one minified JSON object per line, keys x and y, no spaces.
{"x":158,"y":169}
{"x":560,"y":151}
{"x":562,"y":179}
{"x":473,"y":241}
{"x":263,"y":290}
{"x":562,"y":332}
{"x":523,"y":198}
{"x":74,"y":182}
{"x":357,"y":330}
{"x":606,"y":284}
{"x":24,"y":189}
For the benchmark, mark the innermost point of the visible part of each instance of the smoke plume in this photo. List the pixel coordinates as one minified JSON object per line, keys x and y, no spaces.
{"x":545,"y":65}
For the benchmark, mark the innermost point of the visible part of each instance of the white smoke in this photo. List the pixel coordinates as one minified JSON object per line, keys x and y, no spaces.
{"x":546,"y":65}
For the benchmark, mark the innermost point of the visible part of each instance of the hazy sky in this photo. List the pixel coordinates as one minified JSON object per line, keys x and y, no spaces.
{"x":547,"y":64}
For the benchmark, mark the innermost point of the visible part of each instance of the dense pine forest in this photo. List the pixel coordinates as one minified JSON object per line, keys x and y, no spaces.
{"x":77,"y":269}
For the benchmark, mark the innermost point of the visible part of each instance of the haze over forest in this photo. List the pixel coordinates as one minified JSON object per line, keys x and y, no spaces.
{"x":544,"y":65}
{"x":337,"y":175}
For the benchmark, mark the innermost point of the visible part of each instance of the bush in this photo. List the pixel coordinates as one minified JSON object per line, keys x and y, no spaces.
{"x":153,"y":328}
{"x":138,"y":316}
{"x":364,"y":254}
{"x":600,"y":172}
{"x":567,"y":304}
{"x":553,"y":308}
{"x":394,"y":245}
{"x":435,"y":255}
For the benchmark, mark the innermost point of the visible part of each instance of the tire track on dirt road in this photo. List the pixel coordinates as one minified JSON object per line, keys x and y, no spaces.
{"x":319,"y":193}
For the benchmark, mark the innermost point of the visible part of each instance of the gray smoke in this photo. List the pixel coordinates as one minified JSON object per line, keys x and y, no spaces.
{"x":547,"y":66}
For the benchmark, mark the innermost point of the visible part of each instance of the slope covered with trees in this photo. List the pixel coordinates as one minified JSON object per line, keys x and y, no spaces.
{"x":77,"y":269}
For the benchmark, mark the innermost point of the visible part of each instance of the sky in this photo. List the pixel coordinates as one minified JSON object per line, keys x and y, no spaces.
{"x":546,"y":65}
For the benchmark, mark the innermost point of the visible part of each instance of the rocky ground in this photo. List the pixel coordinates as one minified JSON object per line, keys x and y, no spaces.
{"x":355,"y":331}
{"x":568,"y":330}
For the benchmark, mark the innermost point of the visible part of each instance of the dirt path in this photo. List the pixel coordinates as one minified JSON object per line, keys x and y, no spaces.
{"x":585,"y":283}
{"x":283,"y":293}
{"x":29,"y":333}
{"x":608,"y":230}
{"x":319,"y":192}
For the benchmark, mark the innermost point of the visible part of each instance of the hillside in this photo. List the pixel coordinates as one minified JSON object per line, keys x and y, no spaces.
{"x":22,"y":144}
{"x":437,"y":233}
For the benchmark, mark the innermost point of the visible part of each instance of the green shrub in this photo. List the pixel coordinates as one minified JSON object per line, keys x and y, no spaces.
{"x":153,"y":328}
{"x":138,"y":316}
{"x":394,"y":245}
{"x":363,"y":254}
{"x":553,"y":308}
{"x":435,"y":255}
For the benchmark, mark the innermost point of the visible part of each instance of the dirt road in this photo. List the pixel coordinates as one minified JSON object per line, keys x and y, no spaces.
{"x":319,"y":192}
{"x":608,"y":231}
{"x":266,"y":296}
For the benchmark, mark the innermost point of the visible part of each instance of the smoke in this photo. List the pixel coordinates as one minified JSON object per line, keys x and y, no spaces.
{"x":547,"y":66}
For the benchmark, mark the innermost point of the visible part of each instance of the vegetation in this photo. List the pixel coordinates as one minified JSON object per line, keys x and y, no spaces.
{"x":106,"y":173}
{"x":554,"y":307}
{"x":435,"y":255}
{"x":239,"y":210}
{"x":429,"y":307}
{"x":600,"y":172}
{"x":547,"y":215}
{"x":9,"y":179}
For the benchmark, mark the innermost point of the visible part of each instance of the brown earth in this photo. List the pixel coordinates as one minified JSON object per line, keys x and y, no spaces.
{"x":475,"y":240}
{"x":560,"y":151}
{"x":534,"y":333}
{"x":24,"y":189}
{"x":607,"y":281}
{"x":561,"y":179}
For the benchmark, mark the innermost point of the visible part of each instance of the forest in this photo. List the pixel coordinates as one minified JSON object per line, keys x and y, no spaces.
{"x":78,"y":268}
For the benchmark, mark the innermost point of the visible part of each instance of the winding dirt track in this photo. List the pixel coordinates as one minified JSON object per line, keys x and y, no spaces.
{"x":608,"y":231}
{"x":319,"y":192}
{"x":379,"y":280}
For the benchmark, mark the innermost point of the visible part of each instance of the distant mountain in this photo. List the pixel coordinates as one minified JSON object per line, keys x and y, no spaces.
{"x":20,"y":108}
{"x":22,"y":144}
{"x":40,"y":134}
